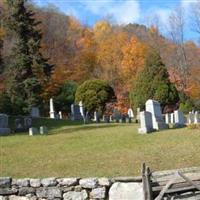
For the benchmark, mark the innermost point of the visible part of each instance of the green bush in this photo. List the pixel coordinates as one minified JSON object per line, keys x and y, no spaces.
{"x":94,"y":95}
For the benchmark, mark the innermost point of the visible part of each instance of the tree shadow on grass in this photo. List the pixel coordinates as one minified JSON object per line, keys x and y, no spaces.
{"x":80,"y":128}
{"x":68,"y":128}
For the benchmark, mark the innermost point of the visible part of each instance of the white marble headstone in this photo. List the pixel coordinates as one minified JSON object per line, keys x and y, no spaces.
{"x":146,"y":124}
{"x":130,"y":113}
{"x":179,"y":118}
{"x":154,"y":108}
{"x":52,"y":112}
{"x":172,"y":118}
{"x":167,"y":118}
{"x":196,"y":117}
{"x":190,"y":118}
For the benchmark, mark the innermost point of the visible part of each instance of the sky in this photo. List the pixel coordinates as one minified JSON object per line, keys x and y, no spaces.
{"x":125,"y":11}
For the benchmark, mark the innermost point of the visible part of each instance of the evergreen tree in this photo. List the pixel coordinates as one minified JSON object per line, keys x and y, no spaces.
{"x":153,"y":83}
{"x":28,"y":69}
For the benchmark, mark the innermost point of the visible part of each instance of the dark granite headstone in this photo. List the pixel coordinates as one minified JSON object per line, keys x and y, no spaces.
{"x":75,"y":112}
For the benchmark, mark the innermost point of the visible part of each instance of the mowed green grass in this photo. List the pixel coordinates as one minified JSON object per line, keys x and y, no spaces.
{"x":96,"y":150}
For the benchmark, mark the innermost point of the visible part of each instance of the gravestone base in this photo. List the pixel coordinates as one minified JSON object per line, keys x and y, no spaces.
{"x":43,"y":130}
{"x":176,"y":125}
{"x":161,"y":125}
{"x":145,"y":130}
{"x":4,"y":131}
{"x":33,"y":131}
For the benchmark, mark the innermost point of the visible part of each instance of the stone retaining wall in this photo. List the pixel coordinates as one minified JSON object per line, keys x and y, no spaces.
{"x":71,"y":188}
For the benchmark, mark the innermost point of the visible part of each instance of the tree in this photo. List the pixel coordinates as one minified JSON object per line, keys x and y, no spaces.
{"x":176,"y":29}
{"x":65,"y":96}
{"x":133,"y":59}
{"x":28,"y":69}
{"x":153,"y":83}
{"x":94,"y":95}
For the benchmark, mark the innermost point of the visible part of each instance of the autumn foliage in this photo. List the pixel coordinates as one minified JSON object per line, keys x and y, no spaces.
{"x":113,"y":53}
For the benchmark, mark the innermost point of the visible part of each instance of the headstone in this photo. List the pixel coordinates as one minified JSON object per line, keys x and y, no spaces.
{"x":43,"y":130}
{"x":146,"y":123}
{"x":196,"y":117}
{"x":75,"y":112}
{"x":130,"y":113}
{"x":128,"y":120}
{"x":60,"y":115}
{"x":116,"y":115}
{"x":190,"y":118}
{"x":138,"y":115}
{"x":81,"y":109}
{"x":19,"y":124}
{"x":52,"y":112}
{"x":106,"y":119}
{"x":167,"y":118}
{"x":154,"y":108}
{"x":27,"y":122}
{"x":179,"y":118}
{"x":4,"y":130}
{"x":172,"y":121}
{"x":35,"y":112}
{"x":96,"y":117}
{"x":33,"y":131}
{"x":86,"y":118}
{"x":123,"y":119}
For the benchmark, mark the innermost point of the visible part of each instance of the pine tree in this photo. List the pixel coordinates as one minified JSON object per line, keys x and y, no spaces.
{"x":28,"y":69}
{"x":153,"y":83}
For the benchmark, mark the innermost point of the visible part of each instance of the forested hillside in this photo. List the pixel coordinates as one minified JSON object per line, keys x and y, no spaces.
{"x":76,"y":52}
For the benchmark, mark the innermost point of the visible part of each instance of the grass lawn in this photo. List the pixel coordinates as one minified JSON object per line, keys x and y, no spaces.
{"x":109,"y":150}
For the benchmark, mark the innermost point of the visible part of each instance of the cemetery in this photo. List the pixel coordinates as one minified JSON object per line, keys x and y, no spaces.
{"x":99,"y":100}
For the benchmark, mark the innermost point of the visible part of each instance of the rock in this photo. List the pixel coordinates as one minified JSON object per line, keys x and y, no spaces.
{"x":104,"y":181}
{"x":50,"y":192}
{"x":126,"y":191}
{"x":23,"y":191}
{"x":21,"y":182}
{"x":8,"y":191}
{"x":89,"y":183}
{"x":49,"y":182}
{"x":68,"y":181}
{"x":13,"y":197}
{"x":76,"y":195}
{"x":35,"y":182}
{"x":67,"y":189}
{"x":3,"y":198}
{"x":78,"y":188}
{"x":98,"y":193}
{"x":5,"y":182}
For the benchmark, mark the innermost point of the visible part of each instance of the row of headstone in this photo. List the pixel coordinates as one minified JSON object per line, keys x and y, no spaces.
{"x":115,"y":117}
{"x":176,"y":118}
{"x":76,"y":112}
{"x":34,"y":131}
{"x":4,"y":129}
{"x":152,"y":118}
{"x":52,"y":113}
{"x":23,"y":123}
{"x":193,"y":118}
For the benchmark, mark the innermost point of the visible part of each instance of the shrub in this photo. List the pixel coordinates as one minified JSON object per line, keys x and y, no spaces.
{"x":94,"y":95}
